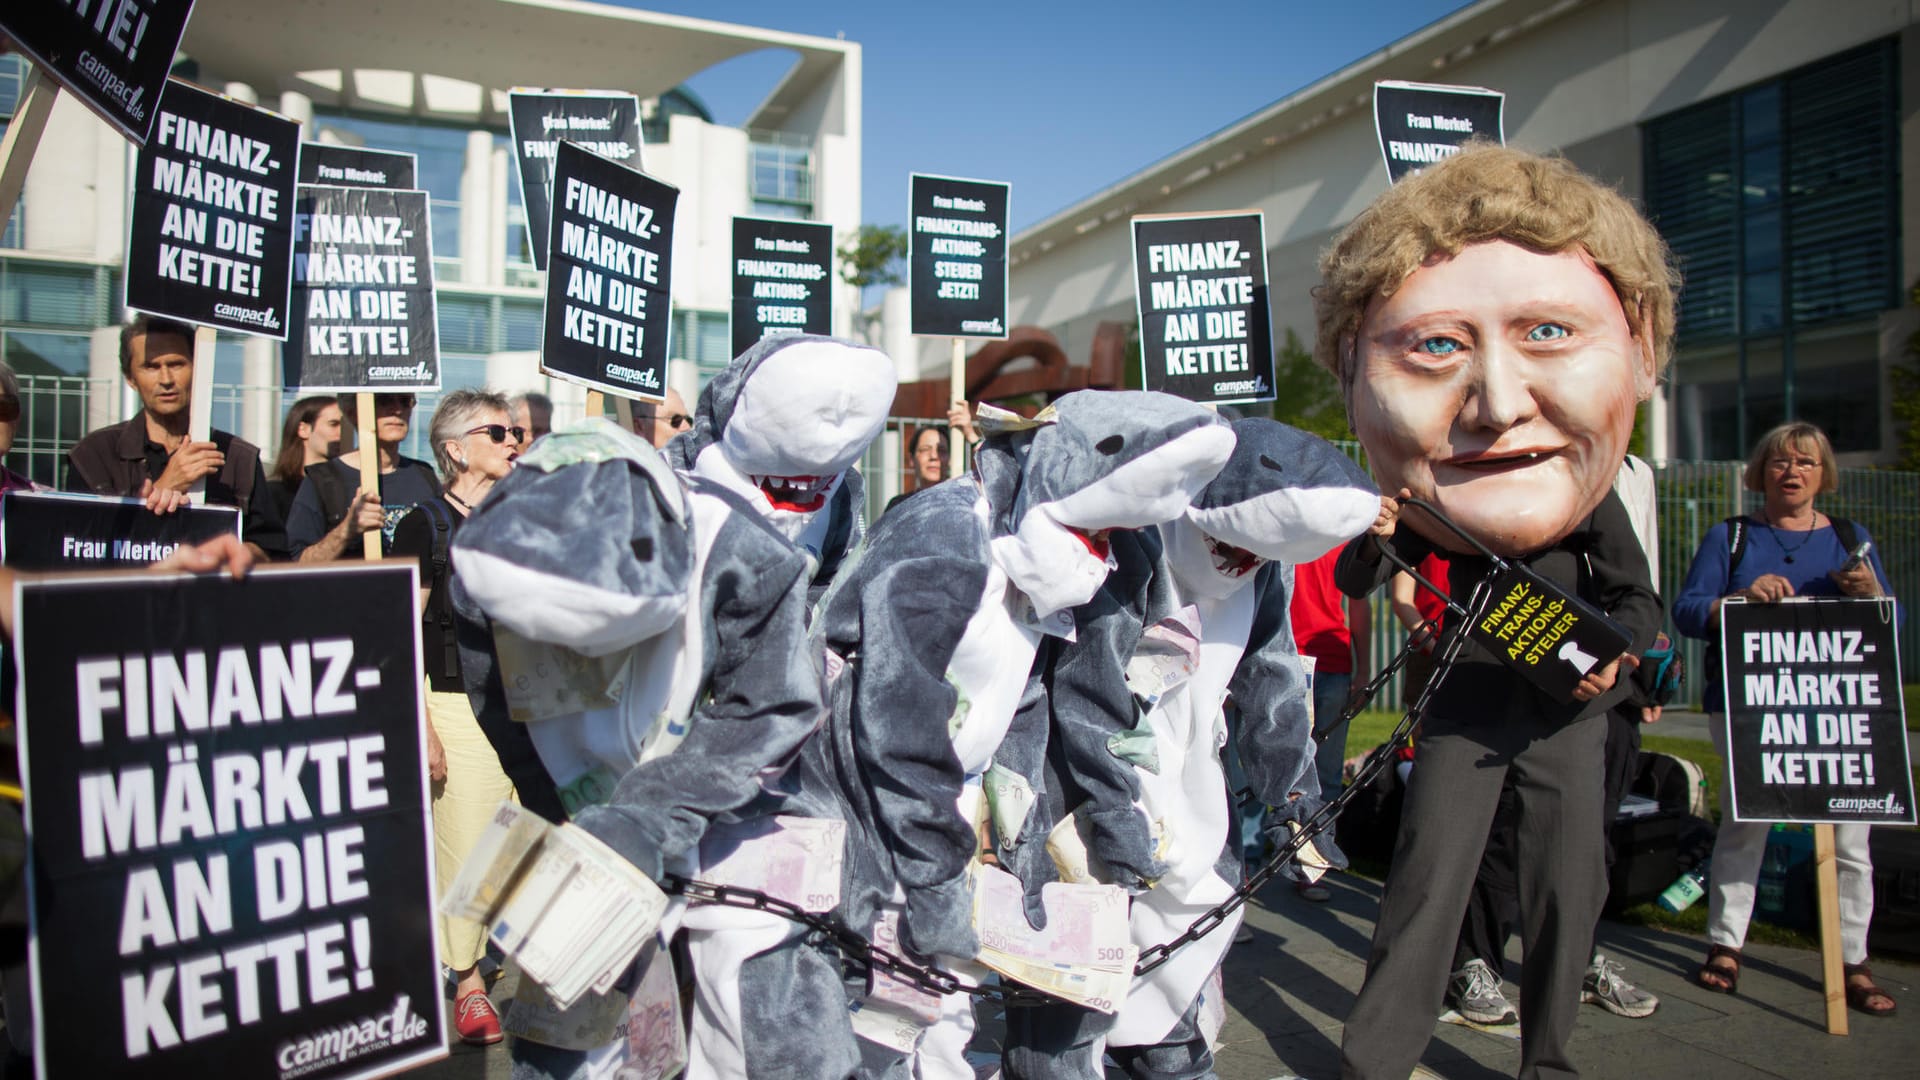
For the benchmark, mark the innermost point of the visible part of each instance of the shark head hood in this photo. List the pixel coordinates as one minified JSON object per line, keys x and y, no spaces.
{"x":1099,"y":460}
{"x":1284,"y":495}
{"x":787,"y":418}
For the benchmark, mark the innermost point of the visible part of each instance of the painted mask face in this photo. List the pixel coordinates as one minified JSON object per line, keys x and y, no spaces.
{"x":1500,"y":385}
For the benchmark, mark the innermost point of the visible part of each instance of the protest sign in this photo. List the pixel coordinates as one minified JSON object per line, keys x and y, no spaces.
{"x":604,"y":122}
{"x":610,"y":277}
{"x":114,"y":53}
{"x":1420,"y":123}
{"x":363,"y":312}
{"x":1200,"y":287}
{"x":782,"y":279}
{"x":1816,"y":728}
{"x":227,"y":804}
{"x":1550,"y":636}
{"x":356,"y":166}
{"x":957,"y":256}
{"x":212,"y":227}
{"x":45,"y":530}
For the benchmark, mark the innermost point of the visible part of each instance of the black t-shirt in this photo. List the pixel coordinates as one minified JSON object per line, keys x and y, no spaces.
{"x":413,"y":536}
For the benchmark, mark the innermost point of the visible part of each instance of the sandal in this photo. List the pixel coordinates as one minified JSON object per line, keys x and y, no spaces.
{"x":1719,"y":978}
{"x":1859,"y":995}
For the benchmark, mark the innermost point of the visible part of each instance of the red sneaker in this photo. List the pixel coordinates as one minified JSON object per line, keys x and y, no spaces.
{"x":475,"y":1020}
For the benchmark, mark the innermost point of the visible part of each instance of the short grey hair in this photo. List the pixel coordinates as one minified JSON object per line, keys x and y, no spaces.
{"x":454,"y":416}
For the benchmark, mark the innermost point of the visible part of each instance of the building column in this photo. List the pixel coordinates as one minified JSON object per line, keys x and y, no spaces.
{"x":476,"y":201}
{"x":106,"y":388}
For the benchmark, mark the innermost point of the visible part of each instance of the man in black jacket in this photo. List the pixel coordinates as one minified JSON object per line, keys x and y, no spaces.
{"x":151,"y":456}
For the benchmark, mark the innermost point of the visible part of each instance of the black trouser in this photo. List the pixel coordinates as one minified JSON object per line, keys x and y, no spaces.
{"x":1494,"y":905}
{"x":1459,"y":770}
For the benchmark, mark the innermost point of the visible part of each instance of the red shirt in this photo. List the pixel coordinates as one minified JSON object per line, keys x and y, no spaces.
{"x":1319,"y":611}
{"x":1434,"y":569}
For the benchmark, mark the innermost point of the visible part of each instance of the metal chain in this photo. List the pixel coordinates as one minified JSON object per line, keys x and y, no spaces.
{"x":856,"y":951}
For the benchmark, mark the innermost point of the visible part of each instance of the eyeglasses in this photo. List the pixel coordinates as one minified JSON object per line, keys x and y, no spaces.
{"x":9,"y":408}
{"x":1783,"y":465}
{"x":676,"y":421}
{"x":498,"y":432}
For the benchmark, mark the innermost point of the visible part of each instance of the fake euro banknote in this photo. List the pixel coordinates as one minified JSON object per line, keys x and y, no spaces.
{"x":793,"y":858}
{"x":494,"y":863}
{"x":1086,"y":924}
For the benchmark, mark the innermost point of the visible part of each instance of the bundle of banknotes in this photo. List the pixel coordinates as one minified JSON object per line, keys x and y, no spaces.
{"x":1083,"y":955}
{"x":567,"y":907}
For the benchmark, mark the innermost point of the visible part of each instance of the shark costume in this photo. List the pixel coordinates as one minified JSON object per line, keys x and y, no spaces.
{"x":1196,"y":612}
{"x":654,"y":627}
{"x":938,"y":620}
{"x":782,"y":427}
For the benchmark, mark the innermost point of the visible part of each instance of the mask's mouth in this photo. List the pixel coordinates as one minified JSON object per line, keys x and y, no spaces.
{"x":1095,"y":540}
{"x":1230,"y":561}
{"x":800,"y":494}
{"x":1491,"y":463}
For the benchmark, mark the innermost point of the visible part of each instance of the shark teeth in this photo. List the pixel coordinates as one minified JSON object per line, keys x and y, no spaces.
{"x":802,"y":494}
{"x":1232,"y":561}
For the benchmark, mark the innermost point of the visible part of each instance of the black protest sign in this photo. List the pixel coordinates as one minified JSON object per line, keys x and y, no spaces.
{"x":782,"y":279}
{"x":45,"y":530}
{"x":212,"y":225}
{"x":1551,"y":637}
{"x":1200,"y":284}
{"x":356,"y":166}
{"x":363,"y":301}
{"x":606,"y":123}
{"x":609,"y":277}
{"x":1420,"y":123}
{"x":957,"y":256}
{"x":227,"y":804}
{"x":1816,"y":724}
{"x":114,"y":53}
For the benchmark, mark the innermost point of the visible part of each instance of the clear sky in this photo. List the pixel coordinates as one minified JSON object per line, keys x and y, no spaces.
{"x":1060,"y":98}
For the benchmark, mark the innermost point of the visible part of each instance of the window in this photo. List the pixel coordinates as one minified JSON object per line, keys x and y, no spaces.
{"x":1781,"y":202}
{"x":704,"y":338}
{"x":13,"y":72}
{"x":442,"y":153}
{"x":782,"y":175}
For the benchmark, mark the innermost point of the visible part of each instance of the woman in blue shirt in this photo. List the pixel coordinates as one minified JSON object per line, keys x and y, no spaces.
{"x":1789,"y":549}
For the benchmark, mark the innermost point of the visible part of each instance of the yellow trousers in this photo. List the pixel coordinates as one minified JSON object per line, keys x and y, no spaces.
{"x":463,"y":804}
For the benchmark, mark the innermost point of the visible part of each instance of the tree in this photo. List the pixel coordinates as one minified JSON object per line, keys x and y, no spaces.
{"x":872,"y":256}
{"x":1906,"y":399}
{"x":1307,"y":395}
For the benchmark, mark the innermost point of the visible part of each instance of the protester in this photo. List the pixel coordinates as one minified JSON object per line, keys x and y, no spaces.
{"x":945,"y":608}
{"x":594,"y":547}
{"x":531,"y":412}
{"x":9,"y":426}
{"x":927,"y":451}
{"x":1494,"y":905}
{"x":309,"y":435}
{"x":783,"y":427}
{"x":1789,"y":548}
{"x":150,"y":456}
{"x":1154,"y":787}
{"x":1333,"y":629}
{"x":474,"y":446}
{"x":659,"y":423}
{"x":330,"y":509}
{"x":1494,"y":321}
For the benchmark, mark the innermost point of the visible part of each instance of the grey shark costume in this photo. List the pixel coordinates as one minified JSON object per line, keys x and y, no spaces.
{"x":937,"y":622}
{"x":1197,"y":612}
{"x":782,"y":427}
{"x":669,"y":621}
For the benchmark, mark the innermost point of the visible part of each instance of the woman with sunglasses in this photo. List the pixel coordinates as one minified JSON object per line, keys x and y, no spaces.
{"x":474,"y":444}
{"x":1788,"y":549}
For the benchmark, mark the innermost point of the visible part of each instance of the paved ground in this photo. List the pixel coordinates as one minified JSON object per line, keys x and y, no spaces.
{"x":1290,"y":988}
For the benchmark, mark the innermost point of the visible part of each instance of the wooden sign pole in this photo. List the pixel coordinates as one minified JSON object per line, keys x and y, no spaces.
{"x":369,"y":463}
{"x":23,"y":136}
{"x":596,"y":403}
{"x":623,"y":408}
{"x":200,"y":400}
{"x":1827,"y":885}
{"x":957,"y":391}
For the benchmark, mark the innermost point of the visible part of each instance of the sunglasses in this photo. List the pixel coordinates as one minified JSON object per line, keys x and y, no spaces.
{"x":679,"y":420}
{"x":9,"y":408}
{"x":498,"y":432}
